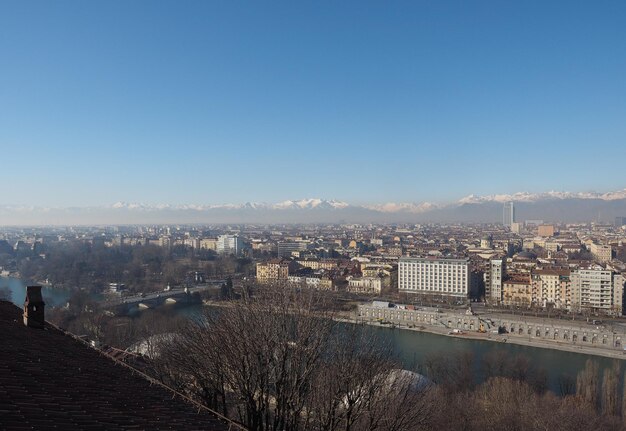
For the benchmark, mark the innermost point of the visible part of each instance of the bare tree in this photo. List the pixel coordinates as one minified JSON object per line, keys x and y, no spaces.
{"x":452,"y":372}
{"x":624,"y":403}
{"x":567,"y":385}
{"x":278,"y":361}
{"x":587,"y":383}
{"x":610,"y":390}
{"x":359,"y":386}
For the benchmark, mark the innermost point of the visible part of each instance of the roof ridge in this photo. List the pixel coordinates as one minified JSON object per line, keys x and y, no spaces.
{"x":232,"y":425}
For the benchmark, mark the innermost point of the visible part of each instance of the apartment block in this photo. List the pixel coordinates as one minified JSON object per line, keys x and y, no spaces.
{"x":552,"y":286}
{"x":493,"y":280}
{"x":603,"y":253}
{"x":316,"y":264}
{"x":593,"y":289}
{"x":208,"y":244}
{"x":365,"y":285}
{"x":545,"y":230}
{"x":229,"y":244}
{"x":287,"y":248}
{"x":434,"y":276}
{"x":273,"y":271}
{"x":517,"y":291}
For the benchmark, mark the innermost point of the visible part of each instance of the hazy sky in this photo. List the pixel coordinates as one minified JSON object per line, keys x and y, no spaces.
{"x":208,"y":102}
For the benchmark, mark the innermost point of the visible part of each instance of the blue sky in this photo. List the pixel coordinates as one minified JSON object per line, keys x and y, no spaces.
{"x":209,"y":102}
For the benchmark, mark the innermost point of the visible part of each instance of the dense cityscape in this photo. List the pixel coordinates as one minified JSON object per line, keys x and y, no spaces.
{"x":312,"y":216}
{"x":529,"y":264}
{"x":125,"y":289}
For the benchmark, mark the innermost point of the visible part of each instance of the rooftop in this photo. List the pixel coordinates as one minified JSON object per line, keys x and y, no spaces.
{"x":50,"y":379}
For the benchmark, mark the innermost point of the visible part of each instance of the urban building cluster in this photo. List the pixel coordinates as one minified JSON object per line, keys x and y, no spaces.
{"x":529,"y":263}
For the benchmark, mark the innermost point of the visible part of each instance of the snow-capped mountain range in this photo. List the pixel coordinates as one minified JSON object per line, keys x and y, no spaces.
{"x":534,"y":197}
{"x":553,"y":205}
{"x":302,"y":204}
{"x":389,"y":207}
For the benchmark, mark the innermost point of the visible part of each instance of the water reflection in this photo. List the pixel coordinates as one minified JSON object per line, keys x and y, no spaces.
{"x":53,"y":297}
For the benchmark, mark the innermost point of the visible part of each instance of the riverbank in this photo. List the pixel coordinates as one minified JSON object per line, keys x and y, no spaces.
{"x":349,"y":317}
{"x":498,"y":338}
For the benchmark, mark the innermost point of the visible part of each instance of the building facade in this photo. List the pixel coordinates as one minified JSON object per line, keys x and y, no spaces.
{"x":593,"y":289}
{"x":508,"y":214}
{"x":602,"y":253}
{"x":434,"y":276}
{"x":286,"y":248}
{"x":493,"y":280}
{"x":229,"y":244}
{"x":208,"y":244}
{"x":552,"y":286}
{"x":273,"y":271}
{"x":517,"y":292}
{"x":545,"y":230}
{"x":365,"y":285}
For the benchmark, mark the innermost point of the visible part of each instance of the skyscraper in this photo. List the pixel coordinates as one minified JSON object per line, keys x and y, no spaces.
{"x":508,"y":216}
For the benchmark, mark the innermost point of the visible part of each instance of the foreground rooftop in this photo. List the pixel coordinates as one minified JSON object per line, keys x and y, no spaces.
{"x":52,"y":380}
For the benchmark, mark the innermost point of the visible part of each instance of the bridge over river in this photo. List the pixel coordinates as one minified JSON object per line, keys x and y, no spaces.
{"x":151,"y":300}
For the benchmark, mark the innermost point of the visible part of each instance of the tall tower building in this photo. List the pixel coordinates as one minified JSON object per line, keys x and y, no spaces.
{"x":508,"y":214}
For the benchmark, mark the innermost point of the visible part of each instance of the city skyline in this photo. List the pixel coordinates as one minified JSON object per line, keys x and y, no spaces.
{"x":359,"y":102}
{"x":355,"y":215}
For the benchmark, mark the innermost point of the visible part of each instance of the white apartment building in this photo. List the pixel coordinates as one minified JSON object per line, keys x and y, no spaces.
{"x":434,"y":276}
{"x":193,"y":243}
{"x":229,"y":244}
{"x":493,"y":280}
{"x":593,"y":289}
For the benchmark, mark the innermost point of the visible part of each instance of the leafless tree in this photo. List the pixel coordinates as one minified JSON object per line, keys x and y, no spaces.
{"x":359,"y":386}
{"x":624,"y":403}
{"x":278,"y":361}
{"x":567,"y":385}
{"x":587,"y":384}
{"x":610,"y":390}
{"x":452,"y":372}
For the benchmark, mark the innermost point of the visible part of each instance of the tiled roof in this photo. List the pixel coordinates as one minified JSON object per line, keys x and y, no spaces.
{"x":50,"y":380}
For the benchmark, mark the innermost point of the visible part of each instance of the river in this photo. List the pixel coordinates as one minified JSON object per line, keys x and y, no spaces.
{"x":411,"y":347}
{"x":53,"y":297}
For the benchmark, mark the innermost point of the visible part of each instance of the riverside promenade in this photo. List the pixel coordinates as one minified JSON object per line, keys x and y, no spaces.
{"x":600,"y":339}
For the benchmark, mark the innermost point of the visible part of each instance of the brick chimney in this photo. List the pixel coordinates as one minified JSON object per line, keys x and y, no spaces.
{"x":34,"y":316}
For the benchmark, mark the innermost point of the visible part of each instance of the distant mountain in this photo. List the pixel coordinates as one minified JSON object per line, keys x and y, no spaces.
{"x":302,"y":204}
{"x":534,"y":197}
{"x":549,"y":206}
